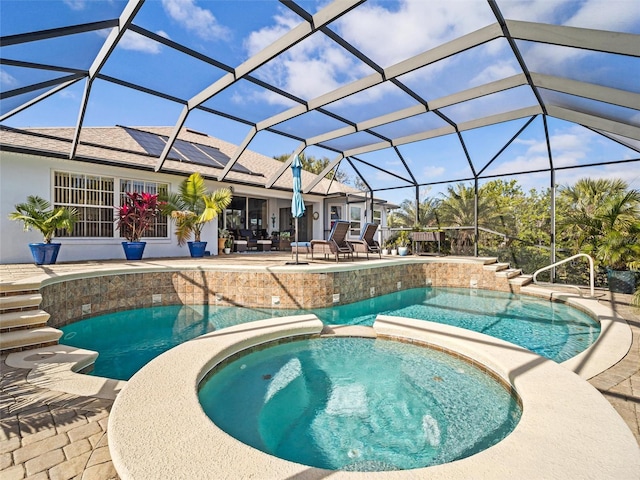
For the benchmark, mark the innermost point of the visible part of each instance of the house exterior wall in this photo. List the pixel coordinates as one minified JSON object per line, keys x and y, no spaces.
{"x":22,"y":175}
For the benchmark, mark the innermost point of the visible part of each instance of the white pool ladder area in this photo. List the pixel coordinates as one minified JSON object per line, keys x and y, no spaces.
{"x":591,"y":276}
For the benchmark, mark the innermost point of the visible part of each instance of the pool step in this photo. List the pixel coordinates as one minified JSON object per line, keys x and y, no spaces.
{"x":23,"y":318}
{"x":16,"y":340}
{"x":521,"y":280}
{"x":20,"y":301}
{"x":23,"y":322}
{"x":496,"y":267}
{"x":509,"y":273}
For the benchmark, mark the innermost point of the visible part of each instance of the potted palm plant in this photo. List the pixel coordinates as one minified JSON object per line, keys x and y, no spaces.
{"x":192,"y":207}
{"x":228,"y":244}
{"x":38,"y":213}
{"x":134,"y":218}
{"x":223,"y":235}
{"x":403,"y":242}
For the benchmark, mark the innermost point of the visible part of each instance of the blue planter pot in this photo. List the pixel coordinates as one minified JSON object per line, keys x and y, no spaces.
{"x":196,"y":249}
{"x":45,"y":253}
{"x":133,"y":250}
{"x":621,"y":281}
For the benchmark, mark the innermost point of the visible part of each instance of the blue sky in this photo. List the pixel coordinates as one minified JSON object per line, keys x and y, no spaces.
{"x":388,"y":32}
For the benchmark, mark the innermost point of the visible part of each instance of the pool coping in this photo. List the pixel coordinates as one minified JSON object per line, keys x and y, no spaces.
{"x":157,"y":428}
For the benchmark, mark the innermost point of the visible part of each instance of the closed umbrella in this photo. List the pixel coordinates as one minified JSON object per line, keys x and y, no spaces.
{"x":297,"y":203}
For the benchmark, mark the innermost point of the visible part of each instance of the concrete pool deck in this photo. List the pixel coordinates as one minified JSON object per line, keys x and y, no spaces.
{"x":51,"y":434}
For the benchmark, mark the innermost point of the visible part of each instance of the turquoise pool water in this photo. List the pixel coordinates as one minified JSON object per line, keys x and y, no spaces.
{"x":129,"y":339}
{"x":359,"y":404}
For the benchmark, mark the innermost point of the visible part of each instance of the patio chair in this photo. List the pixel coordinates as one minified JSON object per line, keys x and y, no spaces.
{"x":336,"y":244}
{"x":366,"y":243}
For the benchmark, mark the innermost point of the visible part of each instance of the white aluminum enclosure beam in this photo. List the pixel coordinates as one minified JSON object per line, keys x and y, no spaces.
{"x":500,"y":118}
{"x":286,"y":164}
{"x":613,"y":96}
{"x":241,"y":148}
{"x":479,"y":91}
{"x":109,"y":45}
{"x":39,"y":98}
{"x":458,"y":45}
{"x":418,"y":137}
{"x":310,"y":186}
{"x":447,"y":130}
{"x":583,"y":38}
{"x":470,"y":94}
{"x":597,"y":123}
{"x":289,"y":39}
{"x":322,"y":100}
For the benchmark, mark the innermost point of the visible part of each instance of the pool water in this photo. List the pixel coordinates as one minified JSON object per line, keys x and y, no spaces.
{"x":127,"y":340}
{"x":359,"y":404}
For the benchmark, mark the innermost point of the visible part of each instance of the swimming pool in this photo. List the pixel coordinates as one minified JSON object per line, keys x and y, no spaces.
{"x":359,"y":404}
{"x":127,"y":340}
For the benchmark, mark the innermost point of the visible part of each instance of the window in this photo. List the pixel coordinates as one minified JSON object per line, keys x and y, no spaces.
{"x":160,"y":227}
{"x":236,"y":214}
{"x":92,"y":196}
{"x":355,"y":217}
{"x":335,"y":212}
{"x":377,"y":217}
{"x":258,"y":216}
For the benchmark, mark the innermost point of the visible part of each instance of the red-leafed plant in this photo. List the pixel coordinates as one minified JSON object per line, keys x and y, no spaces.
{"x":137,"y":213}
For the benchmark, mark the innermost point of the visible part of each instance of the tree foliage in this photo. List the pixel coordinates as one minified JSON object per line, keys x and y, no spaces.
{"x":317,"y":165}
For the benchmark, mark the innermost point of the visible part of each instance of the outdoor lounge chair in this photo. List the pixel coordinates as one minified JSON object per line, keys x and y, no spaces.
{"x":366,"y":243}
{"x":336,"y":244}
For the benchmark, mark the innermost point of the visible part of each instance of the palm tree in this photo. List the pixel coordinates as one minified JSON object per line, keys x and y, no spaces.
{"x":600,"y":217}
{"x":457,"y":209}
{"x":405,"y":216}
{"x":619,"y":243}
{"x":193,"y":206}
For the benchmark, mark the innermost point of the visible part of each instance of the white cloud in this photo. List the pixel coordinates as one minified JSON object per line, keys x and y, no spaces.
{"x":68,"y":94}
{"x":139,"y":43}
{"x":316,"y":65}
{"x":495,"y":71}
{"x":431,"y":173}
{"x":309,"y":69}
{"x":7,"y":80}
{"x":569,"y":147}
{"x":195,"y":19}
{"x":614,"y":15}
{"x":76,"y":4}
{"x":262,"y":38}
{"x":413,"y":27}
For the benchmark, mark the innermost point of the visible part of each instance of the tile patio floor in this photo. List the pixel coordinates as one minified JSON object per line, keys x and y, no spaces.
{"x":48,"y":435}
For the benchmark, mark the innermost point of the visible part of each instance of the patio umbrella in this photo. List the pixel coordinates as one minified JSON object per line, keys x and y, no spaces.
{"x":297,"y":203}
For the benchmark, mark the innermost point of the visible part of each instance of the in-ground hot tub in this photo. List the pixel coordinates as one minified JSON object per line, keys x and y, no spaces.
{"x":359,"y":404}
{"x":158,"y":429}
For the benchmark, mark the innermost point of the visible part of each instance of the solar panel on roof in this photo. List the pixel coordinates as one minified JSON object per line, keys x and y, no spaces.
{"x":151,"y":143}
{"x":184,"y":151}
{"x":221,"y":158}
{"x":194,"y":155}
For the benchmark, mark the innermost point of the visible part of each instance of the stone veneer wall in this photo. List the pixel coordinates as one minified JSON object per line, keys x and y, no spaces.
{"x":75,"y":299}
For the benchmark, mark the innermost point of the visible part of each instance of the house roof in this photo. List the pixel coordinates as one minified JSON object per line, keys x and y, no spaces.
{"x":114,"y":145}
{"x":361,"y":80}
